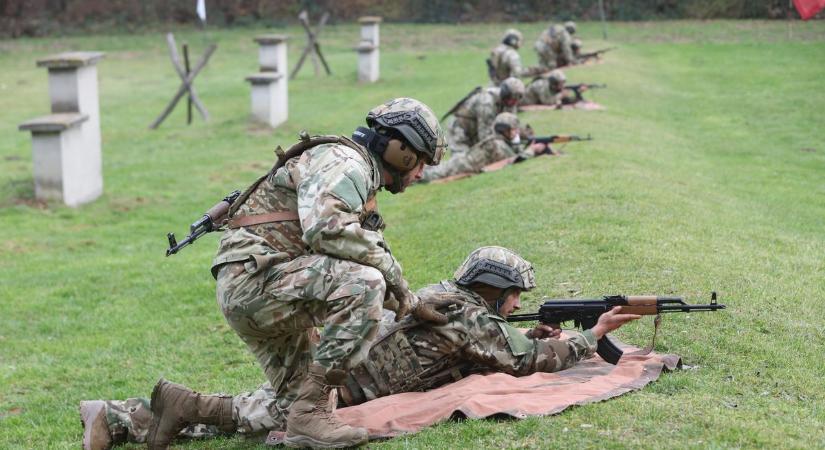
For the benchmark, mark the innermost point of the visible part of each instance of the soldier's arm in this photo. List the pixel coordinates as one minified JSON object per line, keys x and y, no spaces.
{"x":498,"y":345}
{"x":567,"y":50}
{"x":329,"y":202}
{"x":485,"y":119}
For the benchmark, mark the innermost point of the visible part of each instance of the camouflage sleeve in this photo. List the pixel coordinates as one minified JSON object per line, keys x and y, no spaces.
{"x":567,"y":49}
{"x":496,"y":344}
{"x":329,"y":202}
{"x":513,"y":61}
{"x":485,"y":118}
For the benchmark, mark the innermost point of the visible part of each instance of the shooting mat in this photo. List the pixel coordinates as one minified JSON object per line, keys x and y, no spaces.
{"x":499,"y":394}
{"x":583,"y":106}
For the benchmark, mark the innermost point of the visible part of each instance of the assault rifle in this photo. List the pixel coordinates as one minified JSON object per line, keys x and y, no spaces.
{"x":586,"y":312}
{"x":491,"y":71}
{"x":594,"y":55}
{"x":577,"y":89}
{"x":555,"y":139}
{"x":213,"y":219}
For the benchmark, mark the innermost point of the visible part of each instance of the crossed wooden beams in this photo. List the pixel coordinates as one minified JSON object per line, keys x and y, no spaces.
{"x":187,"y":78}
{"x":313,"y":48}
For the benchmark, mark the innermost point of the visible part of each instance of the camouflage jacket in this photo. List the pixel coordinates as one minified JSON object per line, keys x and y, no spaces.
{"x":488,"y":151}
{"x":554,"y":47}
{"x":332,"y":187}
{"x":478,"y":114}
{"x":506,"y":63}
{"x":538,"y":92}
{"x":412,"y":356}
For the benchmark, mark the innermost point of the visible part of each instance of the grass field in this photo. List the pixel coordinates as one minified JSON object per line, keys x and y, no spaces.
{"x":707,"y":173}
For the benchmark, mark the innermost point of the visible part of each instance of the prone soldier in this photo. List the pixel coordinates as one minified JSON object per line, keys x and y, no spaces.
{"x":473,"y":117}
{"x":549,"y":90}
{"x":484,"y":290}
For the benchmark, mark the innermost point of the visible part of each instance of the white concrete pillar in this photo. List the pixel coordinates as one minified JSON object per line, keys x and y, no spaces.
{"x":368,"y":50}
{"x":272,"y":53}
{"x":66,"y":149}
{"x":369,"y":29}
{"x":269,"y":106}
{"x":63,"y":164}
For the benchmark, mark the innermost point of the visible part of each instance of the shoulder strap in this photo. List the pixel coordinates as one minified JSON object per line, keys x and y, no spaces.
{"x":307,"y":142}
{"x":461,"y":102}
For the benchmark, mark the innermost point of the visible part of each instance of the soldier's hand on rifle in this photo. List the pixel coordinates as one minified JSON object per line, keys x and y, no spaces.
{"x":611,"y":321}
{"x":542,"y":331}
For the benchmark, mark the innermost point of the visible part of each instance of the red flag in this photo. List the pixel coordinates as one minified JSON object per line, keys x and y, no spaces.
{"x":808,"y":8}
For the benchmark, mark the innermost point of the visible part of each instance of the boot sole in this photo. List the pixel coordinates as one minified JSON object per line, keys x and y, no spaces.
{"x":306,"y":441}
{"x":157,"y":412}
{"x":89,"y":412}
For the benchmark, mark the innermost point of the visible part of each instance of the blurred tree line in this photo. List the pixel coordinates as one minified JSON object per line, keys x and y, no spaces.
{"x":43,"y":17}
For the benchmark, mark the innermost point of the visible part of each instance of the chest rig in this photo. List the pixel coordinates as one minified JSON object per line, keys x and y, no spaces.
{"x":270,"y":211}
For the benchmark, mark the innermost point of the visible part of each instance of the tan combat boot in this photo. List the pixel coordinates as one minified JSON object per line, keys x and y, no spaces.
{"x":311,"y":422}
{"x":96,"y":434}
{"x":175,"y":406}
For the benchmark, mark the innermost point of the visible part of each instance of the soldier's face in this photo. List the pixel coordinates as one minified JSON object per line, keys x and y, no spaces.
{"x":414,"y":175}
{"x":511,"y":303}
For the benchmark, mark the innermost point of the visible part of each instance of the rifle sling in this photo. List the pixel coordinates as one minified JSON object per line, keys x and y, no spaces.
{"x":645,"y":351}
{"x":257,"y":219}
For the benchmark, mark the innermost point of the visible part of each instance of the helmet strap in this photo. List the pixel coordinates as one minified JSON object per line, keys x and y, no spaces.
{"x":502,"y":298}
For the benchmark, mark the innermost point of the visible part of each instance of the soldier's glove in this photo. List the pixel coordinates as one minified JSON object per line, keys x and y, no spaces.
{"x":404,"y":302}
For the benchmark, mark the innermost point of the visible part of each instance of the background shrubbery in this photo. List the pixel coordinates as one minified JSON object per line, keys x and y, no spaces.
{"x":43,"y":17}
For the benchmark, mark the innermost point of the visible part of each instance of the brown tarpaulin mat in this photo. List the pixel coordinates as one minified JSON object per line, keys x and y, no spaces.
{"x":479,"y":396}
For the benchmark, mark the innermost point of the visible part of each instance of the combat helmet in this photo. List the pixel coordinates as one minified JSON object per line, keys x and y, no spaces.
{"x":570,"y":26}
{"x":576,"y":45}
{"x":511,"y":89}
{"x":512,"y":37}
{"x":416,"y":122}
{"x":498,"y":267}
{"x":556,"y":78}
{"x":505,"y":122}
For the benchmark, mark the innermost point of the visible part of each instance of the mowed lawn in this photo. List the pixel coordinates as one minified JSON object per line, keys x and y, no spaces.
{"x":707,"y":172}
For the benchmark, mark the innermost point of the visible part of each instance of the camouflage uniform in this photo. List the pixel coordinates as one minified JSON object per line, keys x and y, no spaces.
{"x":473,"y":121}
{"x":506,"y":63}
{"x":415,"y":356}
{"x":407,"y":356}
{"x":544,"y":91}
{"x":493,"y":148}
{"x":254,"y":412}
{"x":554,"y":47}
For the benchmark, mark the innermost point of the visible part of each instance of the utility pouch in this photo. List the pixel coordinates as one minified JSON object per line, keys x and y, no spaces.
{"x":373,"y":222}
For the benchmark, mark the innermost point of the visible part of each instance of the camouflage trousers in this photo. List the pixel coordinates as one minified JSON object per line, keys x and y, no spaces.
{"x":275,"y":311}
{"x":472,"y":161}
{"x":253,"y":413}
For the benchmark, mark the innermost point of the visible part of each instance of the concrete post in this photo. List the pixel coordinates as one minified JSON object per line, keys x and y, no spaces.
{"x":269,"y":106}
{"x":368,"y":50}
{"x":66,"y":144}
{"x":272,"y":53}
{"x":270,"y":93}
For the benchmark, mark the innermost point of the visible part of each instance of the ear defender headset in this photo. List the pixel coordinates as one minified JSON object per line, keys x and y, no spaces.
{"x":393,"y":151}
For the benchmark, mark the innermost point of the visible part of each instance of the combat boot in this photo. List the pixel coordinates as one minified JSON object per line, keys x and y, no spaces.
{"x":175,"y":406}
{"x":96,"y":434}
{"x":311,"y":422}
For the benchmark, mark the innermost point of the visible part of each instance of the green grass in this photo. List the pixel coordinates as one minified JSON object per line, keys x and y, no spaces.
{"x":706,"y":174}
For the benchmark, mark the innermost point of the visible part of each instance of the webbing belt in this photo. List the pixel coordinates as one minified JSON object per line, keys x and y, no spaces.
{"x":257,"y":219}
